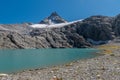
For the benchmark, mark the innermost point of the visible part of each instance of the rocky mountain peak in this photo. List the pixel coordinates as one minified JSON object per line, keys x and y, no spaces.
{"x":54,"y":14}
{"x":54,"y":18}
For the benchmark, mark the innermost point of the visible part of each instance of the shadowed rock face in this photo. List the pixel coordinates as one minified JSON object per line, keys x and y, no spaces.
{"x":98,"y":28}
{"x":116,"y":25}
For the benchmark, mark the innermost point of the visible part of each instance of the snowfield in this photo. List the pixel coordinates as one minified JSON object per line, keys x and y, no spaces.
{"x":53,"y":25}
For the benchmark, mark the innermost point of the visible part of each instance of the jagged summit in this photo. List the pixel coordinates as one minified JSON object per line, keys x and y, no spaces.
{"x":54,"y":14}
{"x":54,"y":18}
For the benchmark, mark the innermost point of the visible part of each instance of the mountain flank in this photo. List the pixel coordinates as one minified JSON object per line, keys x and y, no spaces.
{"x":94,"y":30}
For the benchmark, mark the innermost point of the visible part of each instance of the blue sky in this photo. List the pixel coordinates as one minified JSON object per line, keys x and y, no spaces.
{"x":19,"y":11}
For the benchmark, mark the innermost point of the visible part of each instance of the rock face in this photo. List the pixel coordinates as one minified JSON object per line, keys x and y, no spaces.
{"x":95,"y":28}
{"x":116,"y":25}
{"x":53,"y":39}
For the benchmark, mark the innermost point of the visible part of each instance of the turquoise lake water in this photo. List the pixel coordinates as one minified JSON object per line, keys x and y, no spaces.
{"x":16,"y":60}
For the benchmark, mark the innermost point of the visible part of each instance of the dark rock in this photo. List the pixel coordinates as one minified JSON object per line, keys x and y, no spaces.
{"x":116,"y":25}
{"x":76,"y":40}
{"x":96,"y":28}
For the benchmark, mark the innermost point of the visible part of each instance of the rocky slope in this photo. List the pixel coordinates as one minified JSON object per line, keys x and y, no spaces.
{"x":95,"y":28}
{"x":52,"y":39}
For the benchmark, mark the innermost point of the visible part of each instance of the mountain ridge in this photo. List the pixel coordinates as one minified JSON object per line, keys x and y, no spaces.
{"x":94,"y":30}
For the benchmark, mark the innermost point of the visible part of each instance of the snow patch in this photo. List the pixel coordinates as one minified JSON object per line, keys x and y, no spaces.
{"x":2,"y":28}
{"x":38,"y":26}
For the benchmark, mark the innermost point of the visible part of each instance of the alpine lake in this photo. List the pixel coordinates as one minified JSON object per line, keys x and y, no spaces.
{"x":21,"y":59}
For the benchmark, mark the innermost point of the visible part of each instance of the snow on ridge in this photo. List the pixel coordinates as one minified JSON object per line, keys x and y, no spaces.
{"x":2,"y":28}
{"x":53,"y":25}
{"x":38,"y":26}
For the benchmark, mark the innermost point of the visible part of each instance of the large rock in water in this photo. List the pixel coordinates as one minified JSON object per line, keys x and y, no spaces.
{"x":96,"y":28}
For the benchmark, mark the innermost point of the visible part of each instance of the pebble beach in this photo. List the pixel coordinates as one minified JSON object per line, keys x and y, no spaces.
{"x":104,"y":67}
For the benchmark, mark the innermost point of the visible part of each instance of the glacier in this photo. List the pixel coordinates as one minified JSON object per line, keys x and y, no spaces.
{"x":53,"y":25}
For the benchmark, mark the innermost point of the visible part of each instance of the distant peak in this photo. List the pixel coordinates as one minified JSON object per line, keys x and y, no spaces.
{"x":54,"y":18}
{"x":54,"y":14}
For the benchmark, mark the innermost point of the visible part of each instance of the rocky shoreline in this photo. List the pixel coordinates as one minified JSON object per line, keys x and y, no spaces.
{"x":105,"y":67}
